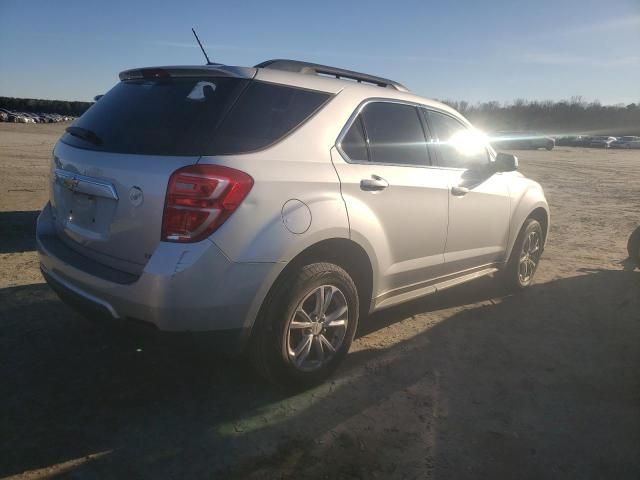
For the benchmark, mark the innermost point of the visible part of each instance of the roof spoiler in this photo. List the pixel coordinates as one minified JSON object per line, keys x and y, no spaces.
{"x":325,"y":70}
{"x":215,"y":70}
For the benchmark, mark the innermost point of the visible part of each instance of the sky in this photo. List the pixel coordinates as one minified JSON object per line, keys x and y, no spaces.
{"x":461,"y":50}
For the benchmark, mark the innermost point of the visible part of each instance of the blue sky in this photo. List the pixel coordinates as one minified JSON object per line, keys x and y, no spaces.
{"x":462,"y":50}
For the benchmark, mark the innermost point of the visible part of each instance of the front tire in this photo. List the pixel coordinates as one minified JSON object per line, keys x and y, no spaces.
{"x":525,"y":256}
{"x":306,"y":326}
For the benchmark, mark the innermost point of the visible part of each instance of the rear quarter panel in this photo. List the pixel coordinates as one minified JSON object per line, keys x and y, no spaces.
{"x":256,"y":232}
{"x":297,"y":167}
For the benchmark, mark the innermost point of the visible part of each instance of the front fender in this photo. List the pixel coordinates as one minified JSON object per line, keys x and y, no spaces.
{"x":526,"y":197}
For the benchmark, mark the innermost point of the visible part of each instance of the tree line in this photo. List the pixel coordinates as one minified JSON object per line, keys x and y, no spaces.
{"x":36,"y":105}
{"x":565,"y":117}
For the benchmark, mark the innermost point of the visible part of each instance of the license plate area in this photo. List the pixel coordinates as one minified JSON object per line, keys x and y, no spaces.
{"x":82,"y":211}
{"x":85,"y":206}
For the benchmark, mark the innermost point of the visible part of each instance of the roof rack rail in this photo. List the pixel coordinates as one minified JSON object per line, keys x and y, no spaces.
{"x":325,"y":70}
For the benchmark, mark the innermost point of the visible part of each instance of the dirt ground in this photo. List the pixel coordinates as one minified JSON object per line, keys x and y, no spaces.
{"x":471,"y":383}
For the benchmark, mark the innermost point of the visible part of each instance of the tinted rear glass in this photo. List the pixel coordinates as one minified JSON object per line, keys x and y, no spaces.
{"x":265,"y":113}
{"x":395,"y":134}
{"x":354,"y":143}
{"x":194,"y":116}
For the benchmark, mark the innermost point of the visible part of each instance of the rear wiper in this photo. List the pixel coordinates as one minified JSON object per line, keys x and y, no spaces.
{"x":85,"y":134}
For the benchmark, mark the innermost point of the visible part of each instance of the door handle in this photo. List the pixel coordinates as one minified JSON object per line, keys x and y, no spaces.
{"x":373,"y":184}
{"x":459,"y":191}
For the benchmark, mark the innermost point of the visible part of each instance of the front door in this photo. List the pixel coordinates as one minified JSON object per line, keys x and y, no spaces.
{"x":479,"y":202}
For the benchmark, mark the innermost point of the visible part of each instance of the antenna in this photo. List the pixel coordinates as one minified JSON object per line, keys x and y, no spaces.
{"x":202,"y":48}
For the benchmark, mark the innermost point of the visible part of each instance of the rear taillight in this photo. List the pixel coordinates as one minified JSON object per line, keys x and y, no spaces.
{"x":199,"y":199}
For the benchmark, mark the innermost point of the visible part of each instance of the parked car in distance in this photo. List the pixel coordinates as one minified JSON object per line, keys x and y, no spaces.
{"x":316,"y":201}
{"x":625,"y":142}
{"x":521,"y":140}
{"x":565,"y":141}
{"x":4,"y":117}
{"x":11,"y":116}
{"x":34,"y":117}
{"x":581,"y":141}
{"x":601,"y":141}
{"x":44,"y":117}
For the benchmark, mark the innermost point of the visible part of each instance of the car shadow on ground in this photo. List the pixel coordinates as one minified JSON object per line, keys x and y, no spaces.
{"x":18,"y":231}
{"x":543,"y":383}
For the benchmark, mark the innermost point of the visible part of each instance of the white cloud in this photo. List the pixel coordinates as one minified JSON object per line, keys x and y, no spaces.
{"x":552,"y":58}
{"x":609,"y":25}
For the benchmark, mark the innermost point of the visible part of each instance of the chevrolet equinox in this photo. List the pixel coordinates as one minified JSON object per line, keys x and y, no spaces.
{"x":278,"y":205}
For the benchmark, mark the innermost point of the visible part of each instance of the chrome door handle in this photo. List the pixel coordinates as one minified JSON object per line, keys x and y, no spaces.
{"x":373,"y":184}
{"x":459,"y":191}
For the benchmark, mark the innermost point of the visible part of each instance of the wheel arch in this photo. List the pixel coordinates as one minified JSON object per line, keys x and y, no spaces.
{"x":542,"y":216}
{"x":539,"y":212}
{"x":343,"y":252}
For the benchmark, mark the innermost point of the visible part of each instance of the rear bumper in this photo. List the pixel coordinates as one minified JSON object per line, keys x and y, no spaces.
{"x":184,"y":287}
{"x":229,"y":341}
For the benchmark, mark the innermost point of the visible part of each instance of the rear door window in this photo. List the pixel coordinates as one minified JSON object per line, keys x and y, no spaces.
{"x":193,"y":116}
{"x":395,"y":134}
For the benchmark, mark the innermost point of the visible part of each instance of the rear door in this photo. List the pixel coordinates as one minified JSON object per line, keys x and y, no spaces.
{"x":394,"y":199}
{"x":479,"y":202}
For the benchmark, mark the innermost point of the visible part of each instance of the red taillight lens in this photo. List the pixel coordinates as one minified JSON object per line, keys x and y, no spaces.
{"x":199,"y":199}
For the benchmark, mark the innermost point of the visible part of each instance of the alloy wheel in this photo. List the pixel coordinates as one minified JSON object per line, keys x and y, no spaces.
{"x":318,"y":327}
{"x":529,"y":257}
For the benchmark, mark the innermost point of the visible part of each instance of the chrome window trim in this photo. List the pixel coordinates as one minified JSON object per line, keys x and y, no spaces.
{"x":357,"y":112}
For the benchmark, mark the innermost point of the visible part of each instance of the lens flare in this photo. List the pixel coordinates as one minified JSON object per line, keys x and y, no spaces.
{"x":469,"y":142}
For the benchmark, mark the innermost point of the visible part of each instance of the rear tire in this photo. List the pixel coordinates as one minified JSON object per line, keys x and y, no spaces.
{"x":306,"y":326}
{"x":525,"y":256}
{"x":633,"y":246}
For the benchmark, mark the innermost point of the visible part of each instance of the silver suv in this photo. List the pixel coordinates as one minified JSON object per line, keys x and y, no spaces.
{"x":277,"y":205}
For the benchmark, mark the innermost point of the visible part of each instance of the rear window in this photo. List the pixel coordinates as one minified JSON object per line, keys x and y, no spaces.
{"x":395,"y":134}
{"x":193,"y":116}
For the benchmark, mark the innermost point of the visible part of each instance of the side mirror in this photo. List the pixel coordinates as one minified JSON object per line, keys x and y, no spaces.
{"x":97,"y":97}
{"x":505,"y":162}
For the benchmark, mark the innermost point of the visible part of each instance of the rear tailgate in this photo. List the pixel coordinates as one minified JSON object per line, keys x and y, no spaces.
{"x":111,"y":169}
{"x":108,"y":205}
